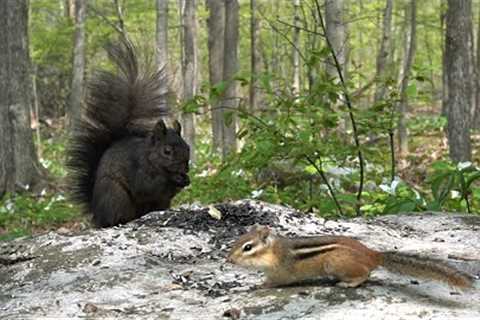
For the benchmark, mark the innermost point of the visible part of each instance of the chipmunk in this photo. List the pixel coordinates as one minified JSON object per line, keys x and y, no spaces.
{"x":286,"y":261}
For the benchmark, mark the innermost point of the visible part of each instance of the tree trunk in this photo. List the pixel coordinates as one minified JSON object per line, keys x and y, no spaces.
{"x":313,"y":46}
{"x":409,"y":55}
{"x":443,"y":10}
{"x":77,"y":91}
{"x":230,"y":68}
{"x":255,"y":56}
{"x":216,"y":30}
{"x":69,"y":8}
{"x":276,"y":52}
{"x":336,"y":33}
{"x":7,"y":164}
{"x":18,"y":162}
{"x":458,"y":72}
{"x":162,"y":34}
{"x":296,"y":48}
{"x":189,"y":69}
{"x":476,"y":113}
{"x":384,"y":52}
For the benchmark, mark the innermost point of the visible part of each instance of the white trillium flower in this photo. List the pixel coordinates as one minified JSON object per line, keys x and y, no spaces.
{"x":203,"y":174}
{"x":384,"y":188}
{"x":392,"y":187}
{"x":417,"y":194}
{"x":238,"y":173}
{"x":464,"y":165}
{"x":256,"y":193}
{"x":455,"y":194}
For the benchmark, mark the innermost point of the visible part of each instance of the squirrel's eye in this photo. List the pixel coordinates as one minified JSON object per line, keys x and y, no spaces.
{"x":247,"y":247}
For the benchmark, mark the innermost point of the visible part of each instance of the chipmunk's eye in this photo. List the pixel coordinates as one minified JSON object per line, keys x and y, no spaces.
{"x":247,"y":247}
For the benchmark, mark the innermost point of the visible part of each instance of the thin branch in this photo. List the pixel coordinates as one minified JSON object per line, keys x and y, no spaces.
{"x":392,"y":153}
{"x":301,"y":28}
{"x":274,"y":28}
{"x":330,"y":189}
{"x":349,"y":106}
{"x":121,"y":24}
{"x":118,"y":27}
{"x":469,"y":210}
{"x":105,"y":19}
{"x":361,"y":91}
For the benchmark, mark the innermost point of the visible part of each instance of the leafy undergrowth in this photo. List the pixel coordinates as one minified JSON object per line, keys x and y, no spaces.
{"x":24,"y":214}
{"x":425,"y":179}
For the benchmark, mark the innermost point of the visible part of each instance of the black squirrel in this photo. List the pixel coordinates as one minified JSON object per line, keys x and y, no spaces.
{"x":120,"y":167}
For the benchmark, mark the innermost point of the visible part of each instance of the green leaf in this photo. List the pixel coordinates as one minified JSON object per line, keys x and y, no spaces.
{"x":434,"y":206}
{"x":228,"y":117}
{"x":402,"y":205}
{"x":217,"y":90}
{"x":242,"y":133}
{"x":442,"y":185}
{"x":411,"y":90}
{"x":190,"y":107}
{"x":472,"y":178}
{"x":243,"y":81}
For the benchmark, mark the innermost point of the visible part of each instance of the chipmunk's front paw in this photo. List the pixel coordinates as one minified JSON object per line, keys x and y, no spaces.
{"x":351,"y":284}
{"x":265,"y":285}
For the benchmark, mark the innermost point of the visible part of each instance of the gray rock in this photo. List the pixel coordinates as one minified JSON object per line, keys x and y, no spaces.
{"x":171,"y":265}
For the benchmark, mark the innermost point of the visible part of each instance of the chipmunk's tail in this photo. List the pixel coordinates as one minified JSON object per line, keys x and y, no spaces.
{"x":426,"y":268}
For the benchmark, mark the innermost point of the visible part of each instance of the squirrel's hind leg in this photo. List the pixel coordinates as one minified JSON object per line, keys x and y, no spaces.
{"x":111,"y":204}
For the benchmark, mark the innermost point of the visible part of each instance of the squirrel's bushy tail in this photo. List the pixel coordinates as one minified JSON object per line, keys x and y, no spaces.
{"x":119,"y":103}
{"x":427,"y":268}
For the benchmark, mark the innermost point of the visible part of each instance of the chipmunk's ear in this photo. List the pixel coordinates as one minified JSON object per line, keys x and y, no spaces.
{"x":264,"y":233}
{"x":254,"y":228}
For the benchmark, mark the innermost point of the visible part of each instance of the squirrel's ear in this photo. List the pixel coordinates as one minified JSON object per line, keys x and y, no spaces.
{"x":160,"y":130}
{"x":177,"y":127}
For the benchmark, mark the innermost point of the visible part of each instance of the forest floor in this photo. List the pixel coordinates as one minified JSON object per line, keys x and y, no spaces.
{"x":428,"y":143}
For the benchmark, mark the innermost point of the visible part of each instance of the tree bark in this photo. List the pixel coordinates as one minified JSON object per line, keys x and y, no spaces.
{"x":18,"y":162}
{"x":335,"y":30}
{"x":336,"y":33}
{"x":69,"y":8}
{"x":189,"y":70}
{"x":384,"y":52}
{"x":443,"y":10}
{"x":459,"y":78}
{"x":276,"y":49}
{"x":409,"y":56}
{"x":476,"y":113}
{"x":77,"y":90}
{"x":230,"y":68}
{"x":162,"y":33}
{"x":7,"y":164}
{"x":216,"y":31}
{"x":296,"y":48}
{"x":312,"y":45}
{"x":255,"y":56}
